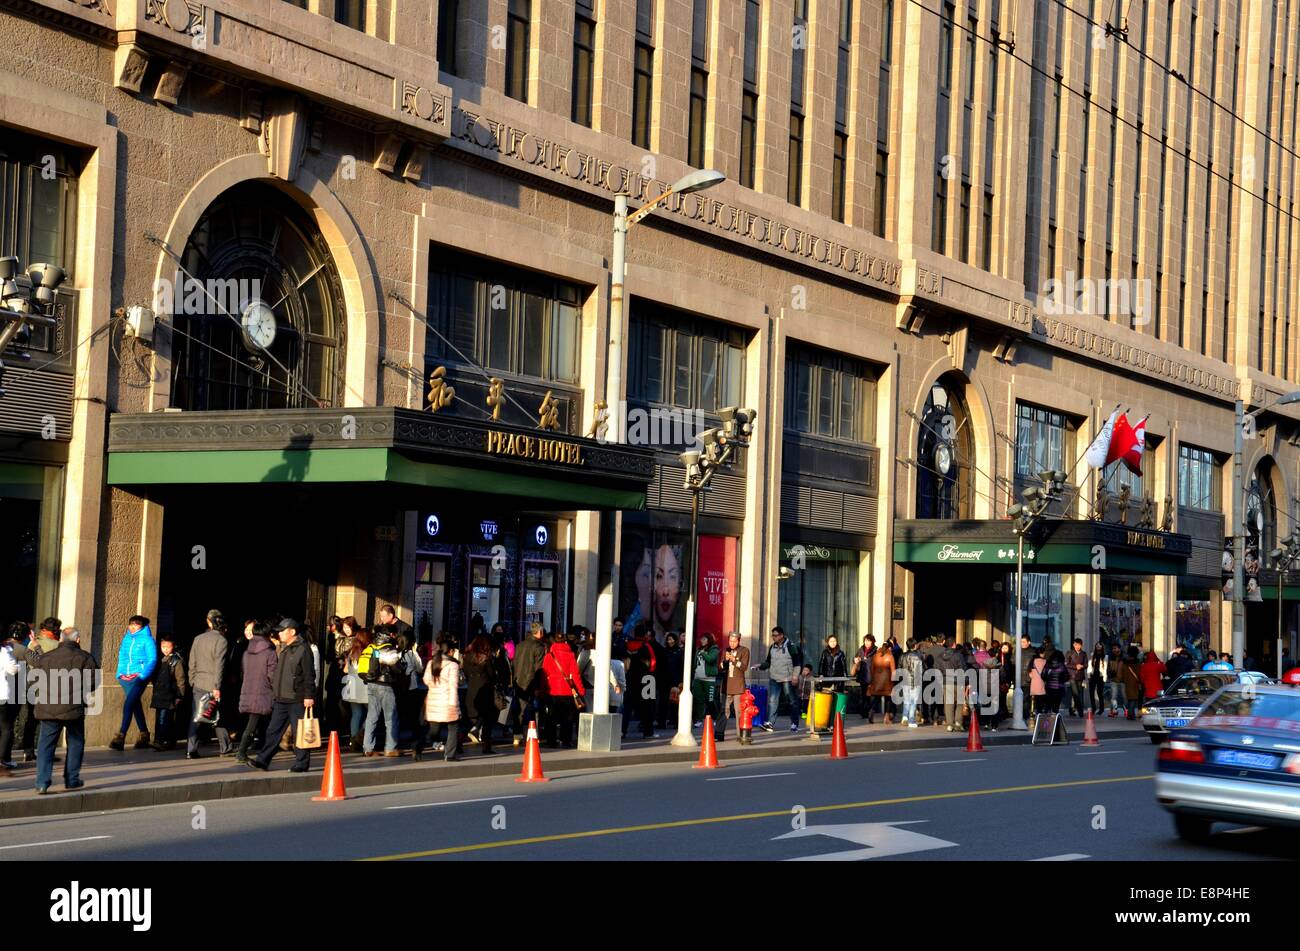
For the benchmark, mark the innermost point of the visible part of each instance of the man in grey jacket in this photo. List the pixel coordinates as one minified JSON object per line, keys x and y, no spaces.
{"x":949,"y":660}
{"x":781,"y":666}
{"x":207,"y":665}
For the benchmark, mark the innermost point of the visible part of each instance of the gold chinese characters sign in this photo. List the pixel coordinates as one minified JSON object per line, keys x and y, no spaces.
{"x":534,"y":448}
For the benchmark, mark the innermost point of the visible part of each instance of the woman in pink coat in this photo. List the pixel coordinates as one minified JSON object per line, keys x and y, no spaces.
{"x":442,"y":702}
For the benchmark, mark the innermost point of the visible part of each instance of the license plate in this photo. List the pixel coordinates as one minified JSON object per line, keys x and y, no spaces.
{"x":1173,"y":723}
{"x":1243,"y":758}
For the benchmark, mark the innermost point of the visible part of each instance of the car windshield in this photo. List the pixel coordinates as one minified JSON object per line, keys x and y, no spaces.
{"x":1239,"y":703}
{"x":1199,"y":684}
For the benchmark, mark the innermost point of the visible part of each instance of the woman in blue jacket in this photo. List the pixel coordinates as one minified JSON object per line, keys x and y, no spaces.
{"x":136,"y":660}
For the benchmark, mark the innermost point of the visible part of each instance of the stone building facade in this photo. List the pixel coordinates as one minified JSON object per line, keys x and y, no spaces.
{"x":952,"y":239}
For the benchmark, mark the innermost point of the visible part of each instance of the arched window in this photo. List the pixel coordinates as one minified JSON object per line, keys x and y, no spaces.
{"x":945,"y":454}
{"x":258,"y":322}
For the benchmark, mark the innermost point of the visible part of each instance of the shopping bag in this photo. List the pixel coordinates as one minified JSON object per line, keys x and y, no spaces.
{"x":308,"y":735}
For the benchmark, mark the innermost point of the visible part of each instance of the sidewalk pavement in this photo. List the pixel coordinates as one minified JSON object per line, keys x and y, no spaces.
{"x":133,"y":778}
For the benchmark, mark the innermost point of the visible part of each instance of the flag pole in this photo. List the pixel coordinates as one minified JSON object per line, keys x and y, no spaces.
{"x":1070,"y":474}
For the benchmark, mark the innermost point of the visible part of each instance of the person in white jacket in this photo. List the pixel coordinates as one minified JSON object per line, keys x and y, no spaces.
{"x":9,"y":689}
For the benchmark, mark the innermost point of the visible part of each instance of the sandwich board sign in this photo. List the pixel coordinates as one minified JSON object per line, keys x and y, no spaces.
{"x":1049,"y":729}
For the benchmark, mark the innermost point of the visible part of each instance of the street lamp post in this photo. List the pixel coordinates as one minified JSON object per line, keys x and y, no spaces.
{"x":1024,"y":516}
{"x":1284,"y":559}
{"x":1239,"y":522}
{"x":623,"y":221}
{"x":719,"y":450}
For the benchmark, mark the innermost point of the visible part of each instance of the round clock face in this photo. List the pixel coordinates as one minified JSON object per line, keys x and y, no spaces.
{"x":943,"y":457}
{"x":258,"y":323}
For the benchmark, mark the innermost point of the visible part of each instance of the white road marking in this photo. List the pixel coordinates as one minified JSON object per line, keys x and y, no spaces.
{"x":454,"y":802}
{"x":1100,"y":752}
{"x":35,"y":845}
{"x":1065,"y":857}
{"x":941,"y":762}
{"x":881,"y":839}
{"x":723,"y":779}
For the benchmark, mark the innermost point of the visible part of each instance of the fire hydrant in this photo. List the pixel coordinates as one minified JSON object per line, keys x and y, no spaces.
{"x":748,"y":709}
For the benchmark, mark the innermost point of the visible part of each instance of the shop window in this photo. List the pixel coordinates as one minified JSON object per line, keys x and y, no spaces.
{"x":828,"y":395}
{"x":1044,"y":440}
{"x":503,"y":318}
{"x":1120,"y":607}
{"x":38,"y":222}
{"x":1117,"y":475}
{"x":1048,"y":611}
{"x":822,"y":597}
{"x":1199,"y":475}
{"x":680,"y":360}
{"x":29,"y":513}
{"x":485,"y":593}
{"x":1193,"y":621}
{"x":255,"y":250}
{"x":430,"y":597}
{"x":539,"y":593}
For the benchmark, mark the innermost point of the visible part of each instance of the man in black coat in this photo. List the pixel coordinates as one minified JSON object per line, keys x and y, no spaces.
{"x":529,"y":654}
{"x":294,"y":693}
{"x":396,"y":627}
{"x":61,"y":681}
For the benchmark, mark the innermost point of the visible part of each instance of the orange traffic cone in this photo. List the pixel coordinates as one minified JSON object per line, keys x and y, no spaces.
{"x":973,"y":742}
{"x":1090,"y":732}
{"x":532,"y":771}
{"x":331,"y":786}
{"x":839,"y":749}
{"x":708,"y":748}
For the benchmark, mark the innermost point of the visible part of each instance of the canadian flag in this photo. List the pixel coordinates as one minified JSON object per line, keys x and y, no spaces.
{"x":1127,"y":443}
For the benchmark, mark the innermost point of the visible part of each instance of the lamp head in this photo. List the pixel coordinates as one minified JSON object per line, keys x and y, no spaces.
{"x":784,"y":573}
{"x":698,"y":181}
{"x":8,"y":268}
{"x":1289,"y":399}
{"x":1032,"y":492}
{"x":1015,"y":510}
{"x":708,"y":437}
{"x":727,"y":413}
{"x":690,"y":459}
{"x":45,"y":280}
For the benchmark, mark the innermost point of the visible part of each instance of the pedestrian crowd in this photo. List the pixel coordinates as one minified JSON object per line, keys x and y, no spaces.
{"x":388,"y":693}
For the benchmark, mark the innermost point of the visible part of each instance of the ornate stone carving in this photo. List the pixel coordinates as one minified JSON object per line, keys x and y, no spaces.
{"x":423,"y":104}
{"x":1124,"y":493}
{"x":170,"y":83}
{"x":1101,"y":502}
{"x":130,"y":64}
{"x":1167,"y":523}
{"x":178,"y":15}
{"x":1147,"y":513}
{"x":284,"y":135}
{"x":99,"y":6}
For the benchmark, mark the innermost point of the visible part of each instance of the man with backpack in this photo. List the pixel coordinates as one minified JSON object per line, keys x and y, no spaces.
{"x":380,"y":667}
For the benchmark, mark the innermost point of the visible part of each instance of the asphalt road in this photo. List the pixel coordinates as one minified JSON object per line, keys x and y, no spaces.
{"x":1016,"y":803}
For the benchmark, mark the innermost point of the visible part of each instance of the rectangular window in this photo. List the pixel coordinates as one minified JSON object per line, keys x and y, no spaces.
{"x":838,"y":173}
{"x":698,"y":118}
{"x":351,"y":13}
{"x":642,"y":94}
{"x":827,"y":394}
{"x":707,"y":359}
{"x":943,"y":161}
{"x":1042,"y":438}
{"x":881,"y":194}
{"x":38,"y":216}
{"x":584,"y":64}
{"x":448,"y":15}
{"x":510,"y":320}
{"x":749,"y":97}
{"x":518,"y":27}
{"x":1199,"y":473}
{"x":794,"y":170}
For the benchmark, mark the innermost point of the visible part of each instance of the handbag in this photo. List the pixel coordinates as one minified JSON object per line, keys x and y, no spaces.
{"x":499,"y":698}
{"x":308,"y":733}
{"x":209,"y":710}
{"x":578,"y":702}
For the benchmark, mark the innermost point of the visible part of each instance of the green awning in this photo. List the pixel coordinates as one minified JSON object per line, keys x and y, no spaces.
{"x":359,"y":465}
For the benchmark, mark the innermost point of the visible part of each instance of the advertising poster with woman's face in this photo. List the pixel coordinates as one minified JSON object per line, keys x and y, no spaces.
{"x":654,"y":581}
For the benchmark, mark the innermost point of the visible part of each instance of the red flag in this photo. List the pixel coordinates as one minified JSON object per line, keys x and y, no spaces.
{"x":1133,"y":458}
{"x":1122,"y":441}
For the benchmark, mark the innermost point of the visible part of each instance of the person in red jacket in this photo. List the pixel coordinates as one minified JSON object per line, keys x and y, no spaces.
{"x":564,"y":692}
{"x":1153,"y":670}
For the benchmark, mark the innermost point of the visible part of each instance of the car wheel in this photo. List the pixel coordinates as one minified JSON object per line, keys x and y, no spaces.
{"x":1156,"y":738}
{"x":1193,"y":829}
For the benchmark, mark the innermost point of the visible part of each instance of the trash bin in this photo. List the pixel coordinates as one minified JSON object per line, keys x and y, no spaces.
{"x":822,"y":709}
{"x":760,"y":701}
